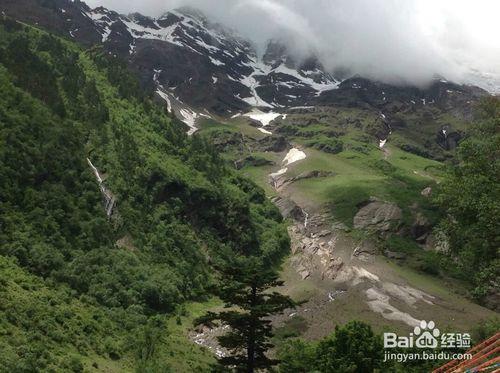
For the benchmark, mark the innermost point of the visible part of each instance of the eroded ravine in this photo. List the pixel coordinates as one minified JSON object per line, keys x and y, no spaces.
{"x":347,"y":277}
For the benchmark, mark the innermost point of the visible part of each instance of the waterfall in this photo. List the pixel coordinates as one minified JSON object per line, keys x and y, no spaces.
{"x":109,"y":200}
{"x":306,"y":217}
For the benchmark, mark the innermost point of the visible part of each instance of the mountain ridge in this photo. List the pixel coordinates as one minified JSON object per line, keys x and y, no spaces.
{"x":204,"y":64}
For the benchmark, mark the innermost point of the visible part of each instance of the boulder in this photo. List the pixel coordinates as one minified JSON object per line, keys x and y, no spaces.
{"x":324,"y":233}
{"x":334,"y":267}
{"x":378,"y":216}
{"x":303,"y":272}
{"x":365,"y":250}
{"x":289,"y":209}
{"x":426,"y":192}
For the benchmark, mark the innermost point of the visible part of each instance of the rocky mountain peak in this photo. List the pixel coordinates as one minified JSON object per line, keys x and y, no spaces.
{"x":209,"y":66}
{"x":276,"y":53}
{"x":192,"y":13}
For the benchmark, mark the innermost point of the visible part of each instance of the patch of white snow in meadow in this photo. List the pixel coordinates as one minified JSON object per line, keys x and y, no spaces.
{"x":382,"y":143}
{"x":260,"y":116}
{"x":293,"y":156}
{"x":265,"y":131}
{"x":279,"y":173}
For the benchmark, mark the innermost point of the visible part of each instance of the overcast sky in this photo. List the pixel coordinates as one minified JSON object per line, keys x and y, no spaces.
{"x":390,"y":40}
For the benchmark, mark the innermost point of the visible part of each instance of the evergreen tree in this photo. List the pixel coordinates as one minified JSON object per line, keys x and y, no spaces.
{"x":247,"y":290}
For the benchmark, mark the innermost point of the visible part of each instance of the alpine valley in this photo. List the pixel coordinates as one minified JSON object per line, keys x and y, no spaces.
{"x":154,"y":171}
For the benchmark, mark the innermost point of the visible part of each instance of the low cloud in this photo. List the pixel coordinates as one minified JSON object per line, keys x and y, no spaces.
{"x":390,"y":40}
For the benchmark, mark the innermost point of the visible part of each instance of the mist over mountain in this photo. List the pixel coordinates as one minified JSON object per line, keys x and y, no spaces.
{"x":394,"y":42}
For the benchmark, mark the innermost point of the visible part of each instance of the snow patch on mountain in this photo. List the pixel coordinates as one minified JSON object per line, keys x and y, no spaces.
{"x":189,"y":117}
{"x":263,"y":130}
{"x":319,"y":87}
{"x":228,"y":55}
{"x":293,"y":156}
{"x":258,"y":68}
{"x":278,"y":173}
{"x":260,"y":116}
{"x":216,"y":62}
{"x":165,"y":97}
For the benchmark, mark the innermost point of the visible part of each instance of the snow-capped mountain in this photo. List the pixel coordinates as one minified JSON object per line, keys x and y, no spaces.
{"x":192,"y":59}
{"x":203,"y":67}
{"x":202,"y":62}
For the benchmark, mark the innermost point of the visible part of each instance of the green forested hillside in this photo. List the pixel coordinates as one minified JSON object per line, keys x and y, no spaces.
{"x":76,"y":286}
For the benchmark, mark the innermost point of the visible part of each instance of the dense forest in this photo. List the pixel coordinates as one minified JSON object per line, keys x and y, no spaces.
{"x":470,"y":200}
{"x":79,"y":280}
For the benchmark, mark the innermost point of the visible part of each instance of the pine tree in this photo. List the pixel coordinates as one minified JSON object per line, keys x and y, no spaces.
{"x":247,"y":290}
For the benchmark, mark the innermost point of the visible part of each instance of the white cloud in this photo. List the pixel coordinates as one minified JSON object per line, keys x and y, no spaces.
{"x":390,"y":40}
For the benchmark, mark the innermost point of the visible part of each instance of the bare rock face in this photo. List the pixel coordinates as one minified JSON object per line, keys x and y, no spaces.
{"x":289,"y":209}
{"x":333,"y":267}
{"x":313,"y":249}
{"x":365,"y":250}
{"x":378,"y":216}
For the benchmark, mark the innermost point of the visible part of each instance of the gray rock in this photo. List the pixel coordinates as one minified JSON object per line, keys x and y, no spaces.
{"x":334,"y":267}
{"x":304,"y":274}
{"x":324,"y":233}
{"x":365,"y":250}
{"x":378,"y":216}
{"x":289,"y":209}
{"x":426,"y":192}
